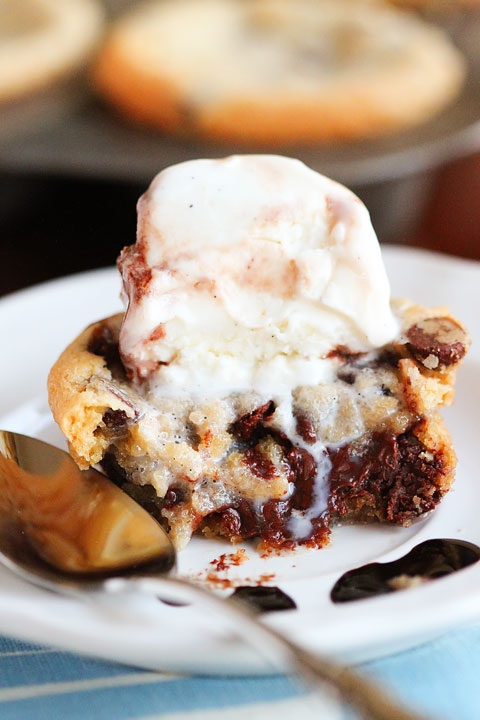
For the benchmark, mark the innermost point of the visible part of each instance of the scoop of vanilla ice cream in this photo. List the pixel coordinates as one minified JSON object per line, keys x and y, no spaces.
{"x":247,"y":272}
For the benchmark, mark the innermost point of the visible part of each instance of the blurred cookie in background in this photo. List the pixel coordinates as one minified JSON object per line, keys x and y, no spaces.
{"x":277,"y":72}
{"x":43,"y":43}
{"x":437,"y":5}
{"x":460,"y":18}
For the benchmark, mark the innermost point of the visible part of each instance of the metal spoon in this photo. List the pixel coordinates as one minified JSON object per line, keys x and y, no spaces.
{"x":72,"y":531}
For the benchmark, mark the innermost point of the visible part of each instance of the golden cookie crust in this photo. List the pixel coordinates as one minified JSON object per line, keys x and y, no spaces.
{"x":79,"y":395}
{"x":348,"y":69}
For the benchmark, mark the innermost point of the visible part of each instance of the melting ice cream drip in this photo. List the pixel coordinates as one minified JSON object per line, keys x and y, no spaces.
{"x":300,"y":522}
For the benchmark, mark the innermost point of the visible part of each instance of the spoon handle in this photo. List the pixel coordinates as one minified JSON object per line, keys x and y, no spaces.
{"x":366,"y":698}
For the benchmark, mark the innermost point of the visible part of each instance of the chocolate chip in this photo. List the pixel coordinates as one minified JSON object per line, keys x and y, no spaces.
{"x":246,"y":427}
{"x":276,"y":514}
{"x":387,"y":357}
{"x":436,"y":342}
{"x":102,"y":343}
{"x":248,"y":519}
{"x":173,"y":496}
{"x":305,"y":429}
{"x":238,"y":521}
{"x":115,"y":419}
{"x":346,"y":377}
{"x":303,"y":470}
{"x":260,"y":465}
{"x":344,"y":353}
{"x":100,"y":340}
{"x":391,"y":477}
{"x":230,"y":522}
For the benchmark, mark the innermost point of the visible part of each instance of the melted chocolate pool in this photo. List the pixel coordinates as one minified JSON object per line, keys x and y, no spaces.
{"x":260,"y":598}
{"x":427,"y":561}
{"x":263,"y":598}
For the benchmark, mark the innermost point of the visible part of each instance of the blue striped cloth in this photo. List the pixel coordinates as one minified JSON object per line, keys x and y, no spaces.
{"x":38,"y":683}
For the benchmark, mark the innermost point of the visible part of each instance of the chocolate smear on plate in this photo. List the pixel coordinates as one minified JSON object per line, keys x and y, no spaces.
{"x":427,"y":561}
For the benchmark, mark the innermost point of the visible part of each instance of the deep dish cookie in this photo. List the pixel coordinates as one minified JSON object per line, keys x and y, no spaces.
{"x":276,"y":71}
{"x":225,"y":468}
{"x":261,"y":384}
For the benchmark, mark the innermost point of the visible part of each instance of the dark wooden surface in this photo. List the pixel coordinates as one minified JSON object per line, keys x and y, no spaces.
{"x":56,"y":226}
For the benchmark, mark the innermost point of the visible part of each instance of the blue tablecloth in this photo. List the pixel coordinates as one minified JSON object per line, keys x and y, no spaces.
{"x":441,"y":679}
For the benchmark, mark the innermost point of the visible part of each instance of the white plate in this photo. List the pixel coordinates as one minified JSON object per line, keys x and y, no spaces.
{"x":38,"y":323}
